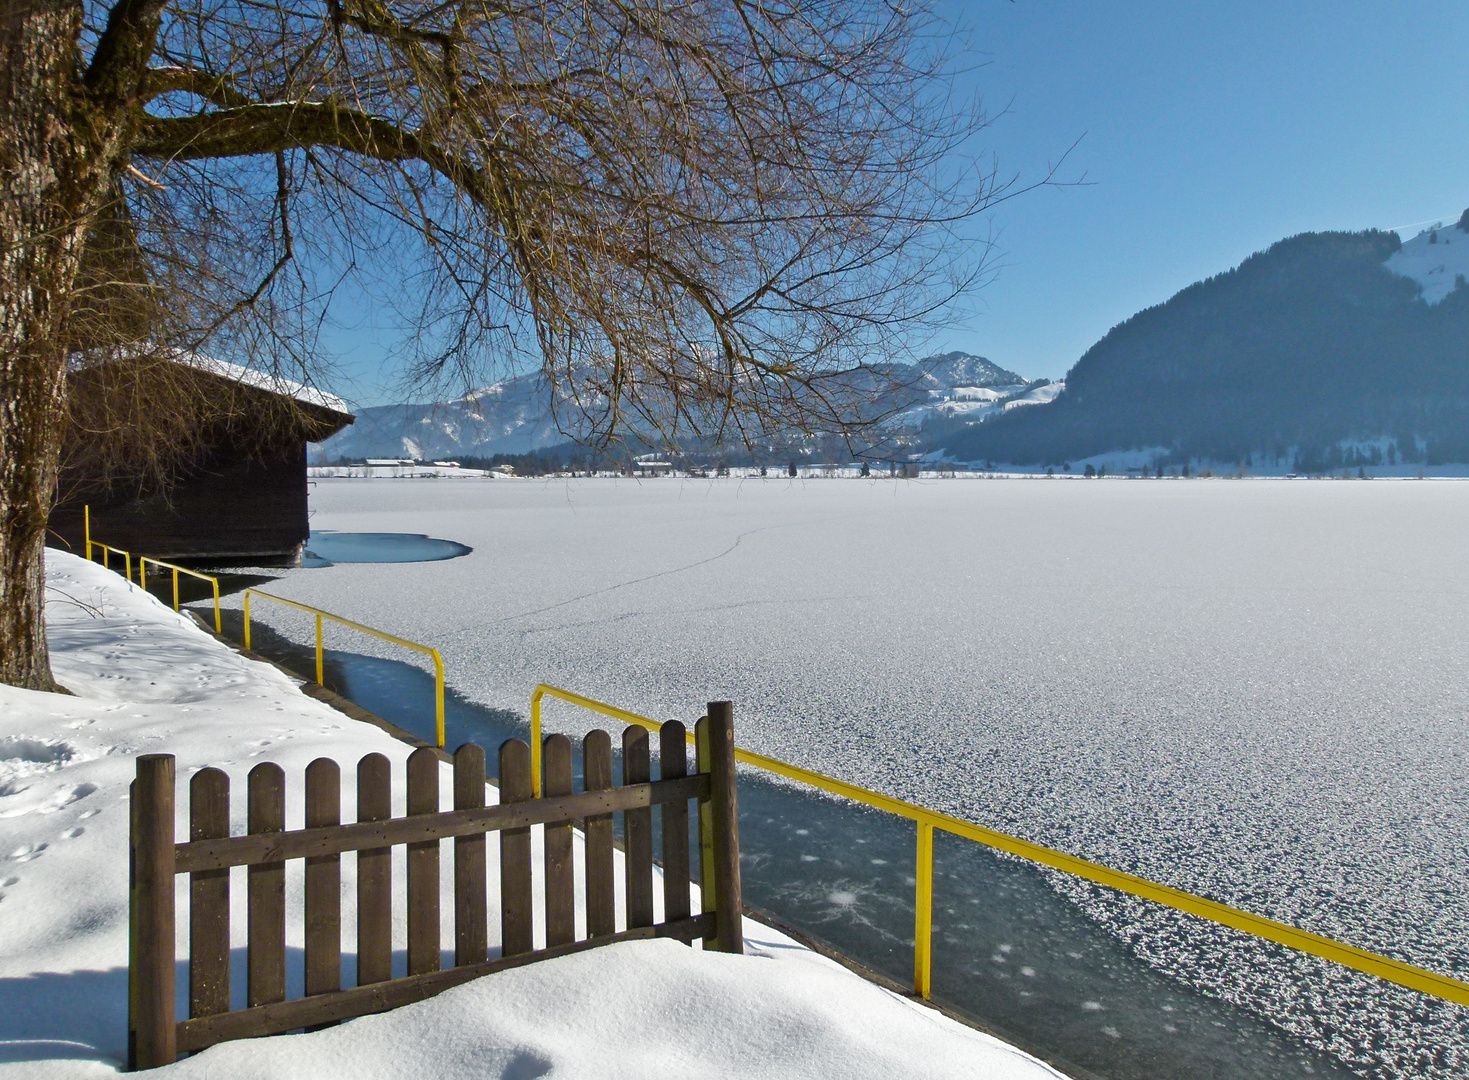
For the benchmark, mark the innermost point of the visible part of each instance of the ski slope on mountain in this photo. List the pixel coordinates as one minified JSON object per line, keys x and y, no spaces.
{"x":1437,"y":259}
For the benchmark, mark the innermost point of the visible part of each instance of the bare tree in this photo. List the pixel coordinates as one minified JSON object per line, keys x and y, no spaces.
{"x":696,"y":217}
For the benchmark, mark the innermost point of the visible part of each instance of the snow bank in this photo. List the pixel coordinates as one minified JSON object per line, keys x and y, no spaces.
{"x":146,"y":681}
{"x":641,"y":1010}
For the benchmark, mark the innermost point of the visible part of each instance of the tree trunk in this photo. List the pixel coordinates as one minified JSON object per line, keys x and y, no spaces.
{"x":46,"y":190}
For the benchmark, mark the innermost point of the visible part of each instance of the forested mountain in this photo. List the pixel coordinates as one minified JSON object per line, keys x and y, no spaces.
{"x":1323,"y":339}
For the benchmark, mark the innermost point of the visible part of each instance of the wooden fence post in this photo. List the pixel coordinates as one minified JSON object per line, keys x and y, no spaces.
{"x":673,"y":758}
{"x":265,"y":947}
{"x":151,"y":1021}
{"x":728,"y":903}
{"x":707,"y":892}
{"x":374,"y":875}
{"x":637,"y":832}
{"x":424,"y":932}
{"x":323,"y":882}
{"x":556,"y":840}
{"x":209,"y":898}
{"x":471,"y":911}
{"x":601,"y":899}
{"x":517,"y":932}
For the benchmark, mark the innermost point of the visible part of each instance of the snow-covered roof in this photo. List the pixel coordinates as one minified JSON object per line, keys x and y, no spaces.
{"x":264,"y":380}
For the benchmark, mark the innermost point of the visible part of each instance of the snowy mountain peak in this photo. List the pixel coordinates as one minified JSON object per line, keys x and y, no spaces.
{"x":1436,"y":259}
{"x":955,"y":369}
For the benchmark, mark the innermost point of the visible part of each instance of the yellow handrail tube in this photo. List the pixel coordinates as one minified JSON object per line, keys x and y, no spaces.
{"x":321,"y":653}
{"x":1369,"y":963}
{"x":144,"y":560}
{"x":108,"y":549}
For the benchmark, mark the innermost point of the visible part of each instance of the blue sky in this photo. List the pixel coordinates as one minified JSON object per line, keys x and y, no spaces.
{"x":1208,"y":131}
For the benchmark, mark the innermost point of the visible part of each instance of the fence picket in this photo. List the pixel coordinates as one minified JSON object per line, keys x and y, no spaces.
{"x":209,"y":898}
{"x":152,"y":1032}
{"x":515,"y":879}
{"x":374,"y":875}
{"x":730,"y":936}
{"x":637,"y":828}
{"x":673,"y":762}
{"x":323,"y":882}
{"x":600,"y":882}
{"x":423,"y":866}
{"x":560,"y":873}
{"x":266,"y":892}
{"x":707,"y":892}
{"x":471,"y":912}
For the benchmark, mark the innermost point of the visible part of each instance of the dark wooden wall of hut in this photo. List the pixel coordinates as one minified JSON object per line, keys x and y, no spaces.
{"x":229,"y":510}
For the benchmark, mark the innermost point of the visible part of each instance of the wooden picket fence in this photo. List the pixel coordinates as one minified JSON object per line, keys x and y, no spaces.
{"x":157,"y":1037}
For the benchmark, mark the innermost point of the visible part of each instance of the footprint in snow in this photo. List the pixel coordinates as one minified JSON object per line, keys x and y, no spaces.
{"x":72,"y":834}
{"x":27,"y":852}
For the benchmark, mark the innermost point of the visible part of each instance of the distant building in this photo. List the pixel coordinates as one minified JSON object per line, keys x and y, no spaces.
{"x":242,"y":499}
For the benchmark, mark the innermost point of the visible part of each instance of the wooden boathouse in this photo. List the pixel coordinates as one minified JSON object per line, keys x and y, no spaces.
{"x":240,"y":497}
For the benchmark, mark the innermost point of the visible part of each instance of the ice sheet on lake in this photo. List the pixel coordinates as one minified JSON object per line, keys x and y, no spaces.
{"x":1252,"y":690}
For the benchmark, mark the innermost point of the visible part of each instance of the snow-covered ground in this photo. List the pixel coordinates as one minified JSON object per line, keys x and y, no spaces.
{"x":1437,"y":259}
{"x":147,"y":680}
{"x":1257,"y":691}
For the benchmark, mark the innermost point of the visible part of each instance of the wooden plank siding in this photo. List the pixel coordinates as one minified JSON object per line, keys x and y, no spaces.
{"x":242,"y":498}
{"x":156,"y":1037}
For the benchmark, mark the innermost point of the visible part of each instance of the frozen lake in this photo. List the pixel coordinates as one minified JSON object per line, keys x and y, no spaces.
{"x":1254,"y":690}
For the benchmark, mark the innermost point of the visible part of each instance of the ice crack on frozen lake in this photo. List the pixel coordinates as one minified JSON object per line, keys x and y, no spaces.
{"x":641,"y":580}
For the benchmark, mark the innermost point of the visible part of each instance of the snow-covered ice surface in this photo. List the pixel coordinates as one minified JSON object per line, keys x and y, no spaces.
{"x":1254,"y":690}
{"x":148,"y":680}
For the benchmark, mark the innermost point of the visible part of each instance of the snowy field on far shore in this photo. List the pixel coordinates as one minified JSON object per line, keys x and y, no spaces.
{"x":148,"y":681}
{"x":1257,"y":691}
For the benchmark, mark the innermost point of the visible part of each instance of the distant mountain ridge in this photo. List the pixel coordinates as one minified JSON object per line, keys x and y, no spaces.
{"x":514,"y":416}
{"x":1321,"y":342}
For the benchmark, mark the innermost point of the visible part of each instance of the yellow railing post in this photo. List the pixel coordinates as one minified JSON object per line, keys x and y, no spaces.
{"x":321,"y":615}
{"x":128,"y":566}
{"x":320,"y":655}
{"x":923,"y":914}
{"x":439,"y":698}
{"x":218,"y":622}
{"x":143,"y":572}
{"x":87,"y":528}
{"x":535,"y":741}
{"x":175,"y":588}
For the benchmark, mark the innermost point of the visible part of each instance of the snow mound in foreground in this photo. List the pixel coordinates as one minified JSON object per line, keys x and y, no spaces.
{"x":643,"y":1010}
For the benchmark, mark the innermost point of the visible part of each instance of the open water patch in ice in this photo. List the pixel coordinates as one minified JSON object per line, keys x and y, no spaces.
{"x":328,"y":548}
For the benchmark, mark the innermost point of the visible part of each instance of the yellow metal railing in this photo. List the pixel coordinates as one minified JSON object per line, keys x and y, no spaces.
{"x":1383,"y":967}
{"x":109,"y":549}
{"x":144,"y":560}
{"x":321,"y":652}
